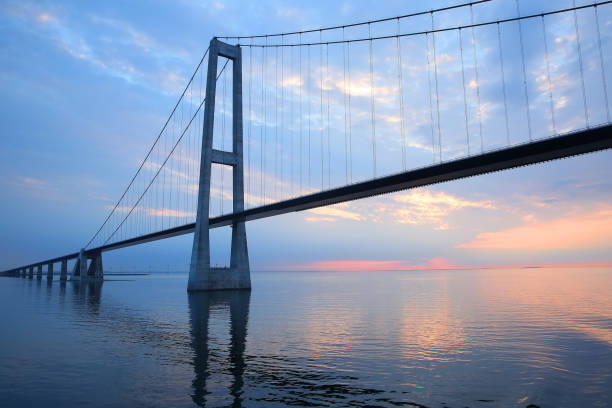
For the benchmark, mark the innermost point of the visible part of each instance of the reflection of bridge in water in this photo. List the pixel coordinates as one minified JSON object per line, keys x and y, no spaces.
{"x":352,"y":111}
{"x":199,"y":313}
{"x":209,"y":348}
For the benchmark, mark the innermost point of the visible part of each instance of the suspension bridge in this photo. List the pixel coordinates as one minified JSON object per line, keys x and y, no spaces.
{"x":276,"y":123}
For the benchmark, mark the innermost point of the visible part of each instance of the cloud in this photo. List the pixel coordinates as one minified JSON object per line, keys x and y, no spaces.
{"x":336,"y":212}
{"x":114,"y":47}
{"x":169,"y":212}
{"x":320,"y":219}
{"x":579,"y":231}
{"x":154,"y":212}
{"x":421,"y":206}
{"x":373,"y":265}
{"x":37,"y":188}
{"x":31,"y":182}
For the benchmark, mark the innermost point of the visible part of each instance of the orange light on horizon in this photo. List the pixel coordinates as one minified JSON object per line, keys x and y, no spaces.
{"x":591,"y":230}
{"x":432,"y":264}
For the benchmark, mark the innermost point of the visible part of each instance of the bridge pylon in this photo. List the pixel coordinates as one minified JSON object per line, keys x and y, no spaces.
{"x":201,"y":275}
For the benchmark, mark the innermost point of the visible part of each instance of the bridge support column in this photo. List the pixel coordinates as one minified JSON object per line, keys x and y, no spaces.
{"x":94,"y":272}
{"x":39,"y":272}
{"x":64,"y":270}
{"x":80,"y":266}
{"x":50,"y":271}
{"x":238,"y":275}
{"x":31,"y":272}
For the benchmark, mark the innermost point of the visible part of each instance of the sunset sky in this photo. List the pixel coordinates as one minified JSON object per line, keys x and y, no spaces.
{"x":86,"y":86}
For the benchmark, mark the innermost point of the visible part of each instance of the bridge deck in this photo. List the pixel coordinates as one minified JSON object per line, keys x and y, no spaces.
{"x":571,"y":144}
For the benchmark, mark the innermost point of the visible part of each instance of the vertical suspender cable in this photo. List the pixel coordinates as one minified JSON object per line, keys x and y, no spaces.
{"x":282,"y":118}
{"x":163,"y":207}
{"x":179,"y":173}
{"x":344,"y":89}
{"x":350,"y":127}
{"x":223,"y":137}
{"x":550,"y":88}
{"x":465,"y":111}
{"x":400,"y":86}
{"x":601,"y":63}
{"x":431,"y":118}
{"x":477,"y":81}
{"x":584,"y":100}
{"x":300,"y":118}
{"x":188,"y":153}
{"x":501,"y":59}
{"x":261,"y":128}
{"x":328,"y":117}
{"x":518,"y":11}
{"x":250,"y":123}
{"x":265,"y":126}
{"x":308,"y":97}
{"x":321,"y":100}
{"x":435,"y":61}
{"x":276,"y":124}
{"x":170,"y":178}
{"x":292,"y":127}
{"x":157,"y":219}
{"x":372,"y":106}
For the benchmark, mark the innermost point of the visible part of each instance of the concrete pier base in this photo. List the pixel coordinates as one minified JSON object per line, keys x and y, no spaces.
{"x":95,"y":271}
{"x":201,"y":275}
{"x":31,"y":272}
{"x":39,"y":272}
{"x":80,"y":266}
{"x":50,"y":271}
{"x":64,"y":270}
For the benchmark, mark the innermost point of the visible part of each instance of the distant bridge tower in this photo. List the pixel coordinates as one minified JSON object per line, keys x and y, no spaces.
{"x":201,"y":275}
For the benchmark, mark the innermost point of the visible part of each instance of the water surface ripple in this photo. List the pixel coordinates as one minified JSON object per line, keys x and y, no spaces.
{"x":481,"y":338}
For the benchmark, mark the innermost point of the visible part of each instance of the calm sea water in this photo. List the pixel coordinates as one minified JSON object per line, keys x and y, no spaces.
{"x":488,"y":338}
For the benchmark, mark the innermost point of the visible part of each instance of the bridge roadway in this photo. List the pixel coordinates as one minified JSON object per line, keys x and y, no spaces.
{"x":558,"y":147}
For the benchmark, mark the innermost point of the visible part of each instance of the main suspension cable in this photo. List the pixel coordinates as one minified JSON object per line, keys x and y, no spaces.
{"x":162,"y":166}
{"x":438,"y":30}
{"x":150,"y":149}
{"x":420,"y":13}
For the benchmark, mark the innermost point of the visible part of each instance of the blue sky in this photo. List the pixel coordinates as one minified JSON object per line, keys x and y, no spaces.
{"x":86,"y":87}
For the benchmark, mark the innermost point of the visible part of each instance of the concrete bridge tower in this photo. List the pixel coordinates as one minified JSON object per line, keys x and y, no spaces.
{"x":201,"y":275}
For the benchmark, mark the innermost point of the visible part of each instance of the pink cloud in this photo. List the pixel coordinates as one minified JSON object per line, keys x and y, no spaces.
{"x":369,"y":265}
{"x":581,"y":231}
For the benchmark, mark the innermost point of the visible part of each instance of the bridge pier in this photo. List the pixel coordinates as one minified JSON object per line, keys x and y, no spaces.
{"x":31,"y":272}
{"x":39,"y":272}
{"x":50,"y":271}
{"x":80,"y":266}
{"x":94,"y":272}
{"x":64,"y":270}
{"x":238,"y":275}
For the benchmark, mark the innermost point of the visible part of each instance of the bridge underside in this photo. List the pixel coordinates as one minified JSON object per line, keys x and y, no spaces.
{"x":571,"y":144}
